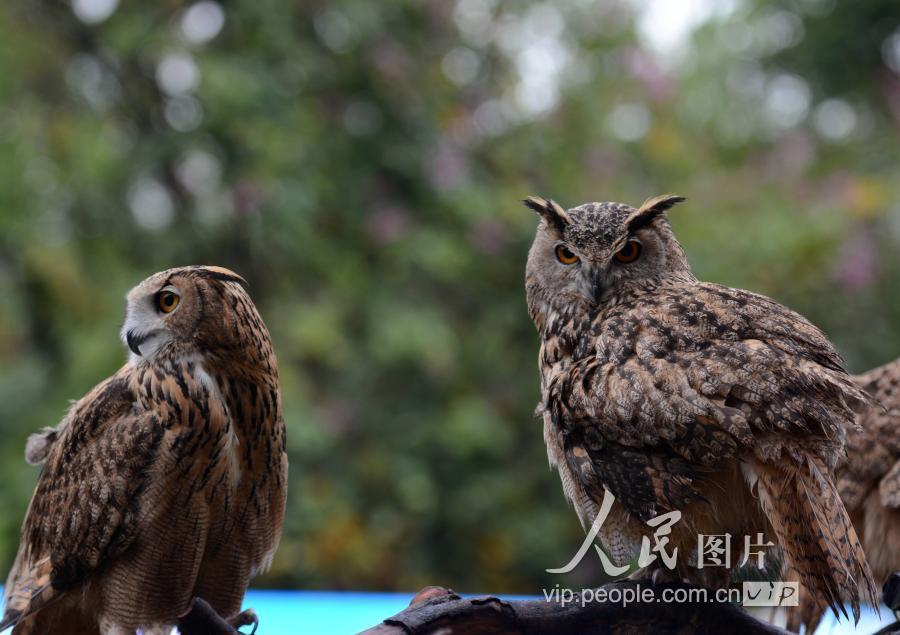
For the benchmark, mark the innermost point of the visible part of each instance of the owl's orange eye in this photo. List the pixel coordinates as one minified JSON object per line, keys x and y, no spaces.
{"x":167,"y":301}
{"x":629,"y":253}
{"x":565,"y":256}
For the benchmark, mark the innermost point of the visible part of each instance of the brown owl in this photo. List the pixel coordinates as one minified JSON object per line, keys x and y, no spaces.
{"x":167,"y":481}
{"x":869,"y":482}
{"x":681,"y":395}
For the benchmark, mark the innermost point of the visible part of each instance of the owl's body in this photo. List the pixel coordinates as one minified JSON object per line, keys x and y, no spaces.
{"x":680,"y":395}
{"x":869,"y":481}
{"x":167,"y":481}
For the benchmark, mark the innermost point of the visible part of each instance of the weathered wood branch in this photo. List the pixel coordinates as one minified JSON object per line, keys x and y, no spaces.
{"x":435,"y":609}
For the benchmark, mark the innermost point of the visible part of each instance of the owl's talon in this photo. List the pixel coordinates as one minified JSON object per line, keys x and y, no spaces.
{"x":202,"y":618}
{"x":247,"y":617}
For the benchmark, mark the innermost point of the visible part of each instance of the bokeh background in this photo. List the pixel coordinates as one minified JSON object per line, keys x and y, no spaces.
{"x":361,"y":164}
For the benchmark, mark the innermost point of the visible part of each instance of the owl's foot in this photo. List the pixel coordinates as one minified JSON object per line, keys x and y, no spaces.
{"x":202,"y":619}
{"x":244,"y":618}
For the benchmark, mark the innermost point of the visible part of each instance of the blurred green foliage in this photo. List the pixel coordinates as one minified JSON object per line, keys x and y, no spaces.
{"x":362,"y":163}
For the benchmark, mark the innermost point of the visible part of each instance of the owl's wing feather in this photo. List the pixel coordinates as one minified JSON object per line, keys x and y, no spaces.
{"x":624,"y":431}
{"x":84,"y":509}
{"x":646,"y":483}
{"x":673,"y":387}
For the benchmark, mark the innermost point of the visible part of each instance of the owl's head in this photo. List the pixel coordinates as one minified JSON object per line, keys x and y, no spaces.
{"x":187,"y":306}
{"x":589,"y":255}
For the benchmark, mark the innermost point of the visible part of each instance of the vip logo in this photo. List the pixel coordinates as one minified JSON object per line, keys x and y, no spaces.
{"x":771,"y":594}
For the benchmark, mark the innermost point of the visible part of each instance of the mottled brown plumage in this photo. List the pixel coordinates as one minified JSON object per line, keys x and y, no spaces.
{"x":869,"y":482}
{"x":676,"y":394}
{"x":167,"y":481}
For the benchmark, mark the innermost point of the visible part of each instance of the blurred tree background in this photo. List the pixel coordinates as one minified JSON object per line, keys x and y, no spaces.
{"x":361,"y":164}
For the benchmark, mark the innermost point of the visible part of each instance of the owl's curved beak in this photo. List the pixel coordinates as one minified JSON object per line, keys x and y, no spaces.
{"x":592,"y":284}
{"x":134,"y":342}
{"x":596,"y":288}
{"x":141,"y":341}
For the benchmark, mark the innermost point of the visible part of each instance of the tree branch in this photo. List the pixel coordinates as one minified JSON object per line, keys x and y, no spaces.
{"x":435,"y":608}
{"x":202,"y":619}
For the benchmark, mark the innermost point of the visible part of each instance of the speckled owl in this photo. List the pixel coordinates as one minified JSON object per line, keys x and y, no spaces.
{"x":681,"y":395}
{"x":165,"y":482}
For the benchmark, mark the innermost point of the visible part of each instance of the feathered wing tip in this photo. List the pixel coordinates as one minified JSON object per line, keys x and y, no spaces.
{"x":814,"y":530}
{"x":552,"y":212}
{"x":859,"y":400}
{"x":27,"y":591}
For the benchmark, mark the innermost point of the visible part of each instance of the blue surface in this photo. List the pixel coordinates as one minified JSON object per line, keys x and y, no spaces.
{"x":344,"y":612}
{"x":322,"y":612}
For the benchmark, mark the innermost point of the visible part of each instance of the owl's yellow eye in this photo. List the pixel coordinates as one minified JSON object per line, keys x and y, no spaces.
{"x":629,"y":253}
{"x":565,"y":256}
{"x":167,"y":301}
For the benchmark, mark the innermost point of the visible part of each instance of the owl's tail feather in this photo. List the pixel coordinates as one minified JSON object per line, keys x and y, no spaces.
{"x":813,"y":528}
{"x":806,"y":613}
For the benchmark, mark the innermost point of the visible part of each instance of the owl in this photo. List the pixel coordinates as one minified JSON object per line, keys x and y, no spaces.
{"x":680,"y":395}
{"x":165,"y":482}
{"x":869,"y":482}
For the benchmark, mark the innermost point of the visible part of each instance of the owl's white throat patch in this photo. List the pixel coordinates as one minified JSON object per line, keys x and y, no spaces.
{"x":153,"y":343}
{"x":144,"y":333}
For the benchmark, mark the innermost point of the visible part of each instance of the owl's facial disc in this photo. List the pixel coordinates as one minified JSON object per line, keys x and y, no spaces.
{"x":580,"y":274}
{"x":597,"y":274}
{"x":146,"y":330}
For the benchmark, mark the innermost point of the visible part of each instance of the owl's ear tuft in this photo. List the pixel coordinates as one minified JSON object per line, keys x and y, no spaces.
{"x":553,"y":213}
{"x":213,"y":272}
{"x":651,"y":208}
